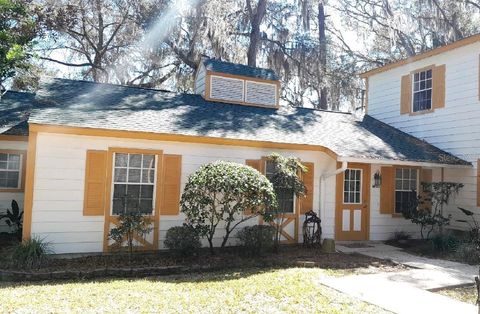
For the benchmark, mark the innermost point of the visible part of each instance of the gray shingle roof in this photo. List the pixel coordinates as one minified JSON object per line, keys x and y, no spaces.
{"x":14,"y":110}
{"x":105,"y":106}
{"x":239,"y":69}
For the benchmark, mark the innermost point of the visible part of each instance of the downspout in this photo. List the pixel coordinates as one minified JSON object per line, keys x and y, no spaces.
{"x":323,"y":178}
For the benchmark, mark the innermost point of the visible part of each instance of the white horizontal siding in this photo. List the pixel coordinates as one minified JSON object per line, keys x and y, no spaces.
{"x":384,"y":226}
{"x":59,"y":183}
{"x":200,"y":81}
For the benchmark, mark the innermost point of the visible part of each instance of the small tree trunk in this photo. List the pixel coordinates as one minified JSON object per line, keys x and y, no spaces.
{"x":210,"y":242}
{"x":477,"y":283}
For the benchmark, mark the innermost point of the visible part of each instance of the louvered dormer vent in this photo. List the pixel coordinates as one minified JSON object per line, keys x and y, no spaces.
{"x":238,"y":84}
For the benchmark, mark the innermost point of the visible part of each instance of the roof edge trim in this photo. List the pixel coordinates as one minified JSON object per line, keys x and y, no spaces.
{"x":430,"y":53}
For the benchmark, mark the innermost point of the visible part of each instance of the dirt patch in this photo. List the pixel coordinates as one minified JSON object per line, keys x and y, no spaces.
{"x":289,"y":256}
{"x":466,"y":294}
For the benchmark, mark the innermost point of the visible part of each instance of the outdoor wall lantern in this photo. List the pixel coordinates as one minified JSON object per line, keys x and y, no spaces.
{"x":377,"y":179}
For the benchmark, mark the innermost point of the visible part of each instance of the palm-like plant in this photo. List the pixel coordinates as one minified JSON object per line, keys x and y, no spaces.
{"x":13,"y":217}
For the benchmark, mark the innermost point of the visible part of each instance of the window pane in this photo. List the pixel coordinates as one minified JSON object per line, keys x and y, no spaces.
{"x":413,"y":174}
{"x":398,"y":184}
{"x":133,"y":191}
{"x":119,"y":190}
{"x":429,"y":74}
{"x":405,"y":185}
{"x":133,"y":205}
{"x":14,"y":165}
{"x":146,"y":191}
{"x":398,"y":173}
{"x":416,"y":77}
{"x":148,"y":176}
{"x":135,"y":160}
{"x":347,"y":174}
{"x":148,"y":161}
{"x":422,"y":75}
{"x":134,"y":175}
{"x":117,"y":206}
{"x":413,"y":185}
{"x":12,"y":182}
{"x":120,"y":175}
{"x":357,"y":197}
{"x":121,"y":160}
{"x":146,"y":206}
{"x":3,"y":165}
{"x":429,"y":84}
{"x":345,"y":197}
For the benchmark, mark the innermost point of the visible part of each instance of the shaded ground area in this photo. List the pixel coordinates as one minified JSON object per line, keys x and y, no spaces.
{"x":466,"y":294}
{"x":425,"y":248}
{"x":293,"y":290}
{"x":289,"y":256}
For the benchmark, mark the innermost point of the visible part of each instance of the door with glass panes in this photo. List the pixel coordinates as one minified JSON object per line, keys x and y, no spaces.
{"x":352,"y":212}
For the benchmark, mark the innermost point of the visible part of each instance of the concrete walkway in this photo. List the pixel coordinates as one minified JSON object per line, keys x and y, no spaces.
{"x":406,"y":291}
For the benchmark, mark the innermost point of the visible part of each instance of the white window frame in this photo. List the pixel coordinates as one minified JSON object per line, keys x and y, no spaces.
{"x":294,"y":211}
{"x":361,"y":186}
{"x":417,"y":180}
{"x":155,"y":162}
{"x":421,"y":90}
{"x":20,"y":170}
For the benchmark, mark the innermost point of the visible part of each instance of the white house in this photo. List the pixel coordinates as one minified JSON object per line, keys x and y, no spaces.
{"x":90,"y":143}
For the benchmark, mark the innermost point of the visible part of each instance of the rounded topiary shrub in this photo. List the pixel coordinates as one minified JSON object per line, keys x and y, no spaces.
{"x":256,"y":239}
{"x":184,"y":240}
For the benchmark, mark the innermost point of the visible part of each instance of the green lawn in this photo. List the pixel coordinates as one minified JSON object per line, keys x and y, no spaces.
{"x":294,"y":290}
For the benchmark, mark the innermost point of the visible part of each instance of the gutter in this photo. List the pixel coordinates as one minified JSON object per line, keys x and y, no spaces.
{"x":403,"y":163}
{"x":323,"y":178}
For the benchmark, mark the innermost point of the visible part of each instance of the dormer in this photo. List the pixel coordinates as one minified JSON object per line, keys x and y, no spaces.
{"x":236,"y":83}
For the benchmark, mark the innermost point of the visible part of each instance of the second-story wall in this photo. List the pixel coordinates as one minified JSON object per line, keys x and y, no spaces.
{"x":455,"y":127}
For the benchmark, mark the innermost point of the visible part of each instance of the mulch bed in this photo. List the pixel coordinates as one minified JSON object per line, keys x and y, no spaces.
{"x":164,"y":263}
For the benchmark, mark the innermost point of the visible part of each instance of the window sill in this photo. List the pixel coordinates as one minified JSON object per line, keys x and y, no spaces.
{"x":397,"y":215}
{"x":419,"y":113}
{"x":7,"y":190}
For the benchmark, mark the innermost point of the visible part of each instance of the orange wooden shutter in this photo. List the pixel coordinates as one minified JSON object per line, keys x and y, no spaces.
{"x":95,"y":180}
{"x":307,"y":201}
{"x":406,"y":94}
{"x":425,"y":176}
{"x":387,"y":191}
{"x":438,"y":87}
{"x":171,"y":177}
{"x":255,"y":164}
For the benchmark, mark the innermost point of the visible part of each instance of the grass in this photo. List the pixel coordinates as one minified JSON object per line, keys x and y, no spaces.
{"x":466,"y":294}
{"x":293,"y":290}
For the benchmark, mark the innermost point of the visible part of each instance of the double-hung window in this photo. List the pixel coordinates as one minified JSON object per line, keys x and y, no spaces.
{"x":285,"y":196}
{"x":133,"y":183}
{"x":422,"y":90}
{"x":406,"y":182}
{"x":10,"y":170}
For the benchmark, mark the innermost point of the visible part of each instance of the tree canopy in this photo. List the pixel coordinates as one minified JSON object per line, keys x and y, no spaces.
{"x":316,"y":46}
{"x":17,"y":30}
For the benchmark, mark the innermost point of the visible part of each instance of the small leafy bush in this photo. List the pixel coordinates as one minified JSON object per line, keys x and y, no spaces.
{"x":184,"y":240}
{"x":14,"y":218}
{"x":31,"y":253}
{"x":468,"y":253}
{"x":130,"y":225}
{"x":444,"y":242}
{"x":257,"y":239}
